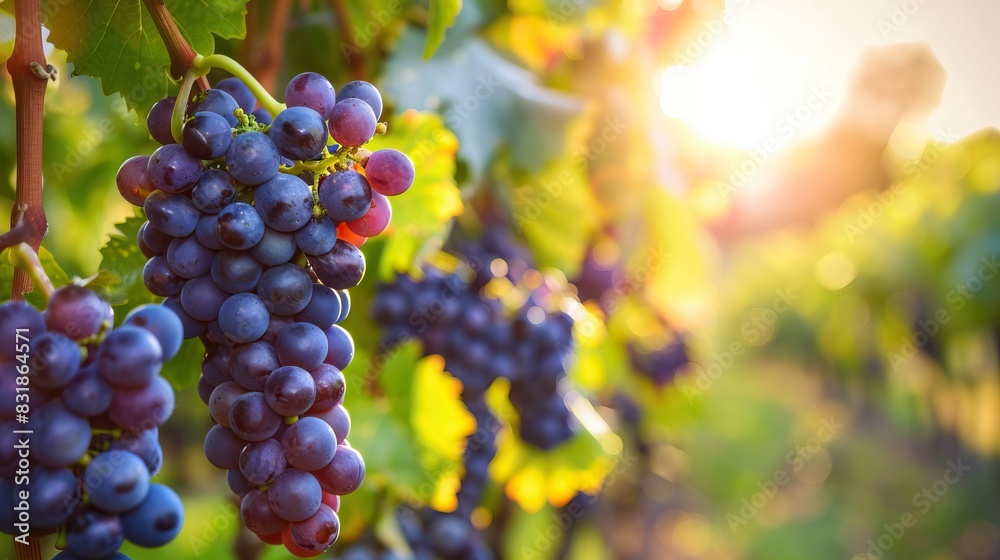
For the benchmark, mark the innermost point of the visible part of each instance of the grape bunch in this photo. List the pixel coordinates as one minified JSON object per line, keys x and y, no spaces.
{"x":92,"y":399}
{"x":481,"y":343}
{"x":252,"y":235}
{"x":659,"y":365}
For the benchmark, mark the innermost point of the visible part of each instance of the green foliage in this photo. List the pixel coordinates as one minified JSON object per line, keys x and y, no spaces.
{"x":412,"y":436}
{"x":6,"y":36}
{"x":120,"y":279}
{"x":118,"y":42}
{"x":442,"y":16}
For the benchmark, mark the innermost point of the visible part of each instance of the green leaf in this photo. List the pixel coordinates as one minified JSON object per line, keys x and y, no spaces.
{"x":534,"y":477}
{"x":442,"y":16}
{"x":120,"y":279}
{"x":413,"y":436}
{"x":6,"y":36}
{"x":420,"y":216}
{"x":117,"y":42}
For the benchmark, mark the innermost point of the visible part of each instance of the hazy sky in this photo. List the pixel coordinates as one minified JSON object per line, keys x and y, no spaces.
{"x":780,"y":53}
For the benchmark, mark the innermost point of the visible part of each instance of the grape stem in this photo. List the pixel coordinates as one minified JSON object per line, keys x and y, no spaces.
{"x":203,"y":64}
{"x":24,"y":257}
{"x":177,"y":116}
{"x":28,"y":222}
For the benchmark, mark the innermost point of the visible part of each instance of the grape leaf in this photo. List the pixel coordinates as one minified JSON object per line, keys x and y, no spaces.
{"x":120,"y":279}
{"x":117,"y":42}
{"x":534,"y":477}
{"x":421,"y":215}
{"x":442,"y":16}
{"x":413,"y":436}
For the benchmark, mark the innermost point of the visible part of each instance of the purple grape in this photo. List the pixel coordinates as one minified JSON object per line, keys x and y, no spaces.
{"x":257,"y":515}
{"x":364,"y":91}
{"x":143,"y":408}
{"x":206,"y":136}
{"x":133,"y":180}
{"x":60,"y":437}
{"x":239,"y":226}
{"x":158,"y":120}
{"x":192,"y":328}
{"x":341,"y":347}
{"x":213,"y":192}
{"x":274,"y":248}
{"x":303,"y":345}
{"x":172,"y":170}
{"x":285,"y":289}
{"x":262,"y":116}
{"x":163,"y":323}
{"x":317,"y":236}
{"x":116,"y":481}
{"x":93,"y":533}
{"x":216,"y":364}
{"x":345,"y":195}
{"x":311,"y":90}
{"x":295,"y":495}
{"x":88,"y":394}
{"x":160,"y":279}
{"x":238,"y":483}
{"x":252,"y":158}
{"x":157,"y":520}
{"x":207,"y":233}
{"x":252,"y":419}
{"x":53,"y":360}
{"x":299,"y":133}
{"x":188,"y":258}
{"x":352,"y":122}
{"x":155,"y":239}
{"x":262,"y":462}
{"x":172,"y":214}
{"x":221,"y":401}
{"x":215,"y":101}
{"x":341,"y":268}
{"x":243,"y":317}
{"x":338,"y":418}
{"x":317,"y":533}
{"x":77,"y":312}
{"x":309,"y":444}
{"x":236,"y":271}
{"x":290,"y":391}
{"x":324,"y":307}
{"x":285,"y":203}
{"x":344,"y":474}
{"x":130,"y":357}
{"x":330,"y":387}
{"x":389,"y":172}
{"x":223,"y":448}
{"x":145,"y":445}
{"x":239,"y":92}
{"x":252,"y":363}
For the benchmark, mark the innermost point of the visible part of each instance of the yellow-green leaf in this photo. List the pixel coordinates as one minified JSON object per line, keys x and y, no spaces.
{"x":442,"y":16}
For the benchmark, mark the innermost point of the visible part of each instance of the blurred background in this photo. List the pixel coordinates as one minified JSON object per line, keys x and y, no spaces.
{"x":776,"y":222}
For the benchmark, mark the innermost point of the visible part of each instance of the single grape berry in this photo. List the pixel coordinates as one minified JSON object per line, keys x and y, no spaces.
{"x":206,"y":135}
{"x":345,"y":195}
{"x":133,"y":180}
{"x":172,"y":169}
{"x":352,"y":122}
{"x":311,"y":90}
{"x":299,"y":133}
{"x":389,"y":172}
{"x":158,"y":120}
{"x":252,"y":158}
{"x":215,"y":101}
{"x":239,"y":91}
{"x":375,"y":220}
{"x":360,"y":89}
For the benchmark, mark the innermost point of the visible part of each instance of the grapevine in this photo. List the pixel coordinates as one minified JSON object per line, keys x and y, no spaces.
{"x":253,"y":225}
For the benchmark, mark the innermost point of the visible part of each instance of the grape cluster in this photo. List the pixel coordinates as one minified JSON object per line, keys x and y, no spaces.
{"x":92,"y":399}
{"x":481,"y":343}
{"x":252,"y":234}
{"x":659,"y":365}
